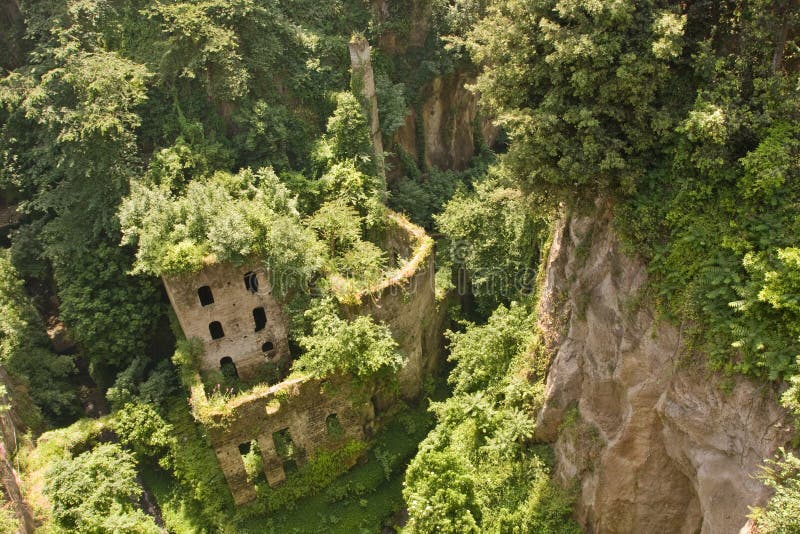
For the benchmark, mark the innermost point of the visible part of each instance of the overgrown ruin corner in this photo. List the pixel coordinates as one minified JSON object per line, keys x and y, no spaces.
{"x":232,"y":311}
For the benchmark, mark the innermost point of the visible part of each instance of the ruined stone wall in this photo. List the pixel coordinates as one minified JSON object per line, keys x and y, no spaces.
{"x":300,"y":407}
{"x":363,"y":76}
{"x":233,"y":308}
{"x":407,"y":304}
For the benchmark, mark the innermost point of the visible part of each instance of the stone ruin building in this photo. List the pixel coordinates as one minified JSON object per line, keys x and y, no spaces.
{"x":232,"y":310}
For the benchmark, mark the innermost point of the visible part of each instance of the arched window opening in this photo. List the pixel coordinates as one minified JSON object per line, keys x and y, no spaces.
{"x":284,"y":444}
{"x":205,"y":295}
{"x":267,"y":346}
{"x":251,"y":282}
{"x":228,"y":368}
{"x":260,"y":318}
{"x":215,"y":329}
{"x":333,"y":426}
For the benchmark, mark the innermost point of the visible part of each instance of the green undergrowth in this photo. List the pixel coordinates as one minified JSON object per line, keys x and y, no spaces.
{"x":480,"y":469}
{"x":362,"y":499}
{"x":313,"y":498}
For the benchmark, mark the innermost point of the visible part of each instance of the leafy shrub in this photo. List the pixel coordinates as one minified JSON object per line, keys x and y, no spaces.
{"x":8,"y":519}
{"x":483,"y":354}
{"x":782,"y":512}
{"x":25,"y":349}
{"x":348,"y":132}
{"x":223,"y":217}
{"x":392,"y":106}
{"x":358,"y":347}
{"x":111,"y":314}
{"x":477,"y":470}
{"x":443,"y":498}
{"x":494,"y":236}
{"x":97,"y":491}
{"x":141,"y":428}
{"x":136,"y":383}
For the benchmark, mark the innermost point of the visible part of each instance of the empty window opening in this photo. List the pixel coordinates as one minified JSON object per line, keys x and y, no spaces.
{"x":267,"y":346}
{"x":289,"y":467}
{"x":260,"y":318}
{"x":333,"y":426}
{"x":251,"y":282}
{"x":228,"y":368}
{"x":215,"y":329}
{"x":284,"y":446}
{"x":253,"y":462}
{"x":206,"y":296}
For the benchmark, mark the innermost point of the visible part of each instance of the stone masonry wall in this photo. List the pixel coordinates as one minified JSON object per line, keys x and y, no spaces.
{"x":406,"y":303}
{"x":233,"y":307}
{"x":301,"y":407}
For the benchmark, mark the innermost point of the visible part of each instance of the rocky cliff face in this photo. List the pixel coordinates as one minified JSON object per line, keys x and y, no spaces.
{"x":653,"y":442}
{"x":444,"y":125}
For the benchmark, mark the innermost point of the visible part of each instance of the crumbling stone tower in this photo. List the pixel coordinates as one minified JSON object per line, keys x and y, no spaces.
{"x":233,"y":312}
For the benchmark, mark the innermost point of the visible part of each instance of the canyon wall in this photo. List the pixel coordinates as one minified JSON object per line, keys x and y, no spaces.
{"x":653,"y":441}
{"x":442,"y":131}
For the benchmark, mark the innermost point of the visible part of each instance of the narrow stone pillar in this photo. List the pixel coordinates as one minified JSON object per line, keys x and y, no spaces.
{"x":233,"y":468}
{"x":363,"y":81}
{"x":273,"y":466}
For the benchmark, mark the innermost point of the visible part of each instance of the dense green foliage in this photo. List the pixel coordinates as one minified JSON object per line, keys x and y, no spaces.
{"x":359,"y":347}
{"x":782,"y":512}
{"x":421,"y":196}
{"x":95,"y":492}
{"x":494,"y":235}
{"x":686,"y":115}
{"x":25,"y":349}
{"x":197,"y":131}
{"x":104,"y":93}
{"x":478,"y":471}
{"x":225,"y":217}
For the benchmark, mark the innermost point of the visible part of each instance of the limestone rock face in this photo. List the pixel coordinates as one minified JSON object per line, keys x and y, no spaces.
{"x":657,"y":444}
{"x":445,"y":124}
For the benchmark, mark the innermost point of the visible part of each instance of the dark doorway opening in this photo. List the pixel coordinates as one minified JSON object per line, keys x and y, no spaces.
{"x":251,"y":282}
{"x":215,"y":329}
{"x":260,"y":318}
{"x":267,"y":346}
{"x":228,"y":368}
{"x":205,"y":295}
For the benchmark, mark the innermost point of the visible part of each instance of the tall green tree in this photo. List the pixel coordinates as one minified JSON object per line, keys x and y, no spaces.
{"x":96,"y":492}
{"x":25,"y":349}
